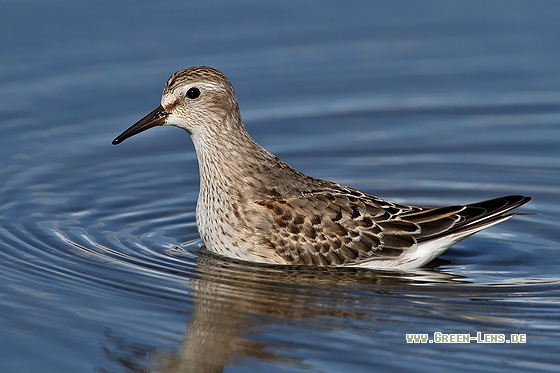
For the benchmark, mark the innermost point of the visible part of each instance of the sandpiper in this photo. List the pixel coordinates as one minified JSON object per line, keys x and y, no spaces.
{"x":252,"y":206}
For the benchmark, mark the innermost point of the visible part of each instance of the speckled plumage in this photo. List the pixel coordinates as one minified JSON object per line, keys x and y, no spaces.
{"x":252,"y":206}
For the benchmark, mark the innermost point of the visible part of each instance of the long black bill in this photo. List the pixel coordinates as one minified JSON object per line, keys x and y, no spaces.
{"x":155,"y":118}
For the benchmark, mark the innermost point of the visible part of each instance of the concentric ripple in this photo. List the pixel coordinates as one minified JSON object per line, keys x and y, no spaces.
{"x":116,"y":247}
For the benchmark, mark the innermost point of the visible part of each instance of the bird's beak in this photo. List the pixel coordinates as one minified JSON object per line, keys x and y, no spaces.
{"x":155,"y":118}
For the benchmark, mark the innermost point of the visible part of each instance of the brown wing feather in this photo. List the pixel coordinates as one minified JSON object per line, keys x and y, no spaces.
{"x":334,"y":227}
{"x":468,"y":218}
{"x":345,"y":226}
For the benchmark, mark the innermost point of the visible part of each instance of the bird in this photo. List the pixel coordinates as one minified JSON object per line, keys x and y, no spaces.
{"x":254,"y":207}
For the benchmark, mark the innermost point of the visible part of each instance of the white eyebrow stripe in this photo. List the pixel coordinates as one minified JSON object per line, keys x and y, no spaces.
{"x":203,"y":86}
{"x":169,"y":98}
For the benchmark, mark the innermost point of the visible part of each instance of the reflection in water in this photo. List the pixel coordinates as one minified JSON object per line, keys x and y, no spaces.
{"x":287,"y":316}
{"x":251,"y":314}
{"x":234,"y":300}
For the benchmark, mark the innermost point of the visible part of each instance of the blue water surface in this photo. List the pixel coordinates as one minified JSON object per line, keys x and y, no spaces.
{"x":428,"y":103}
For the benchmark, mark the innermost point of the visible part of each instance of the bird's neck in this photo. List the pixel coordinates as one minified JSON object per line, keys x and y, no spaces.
{"x":228,"y":159}
{"x":230,"y":164}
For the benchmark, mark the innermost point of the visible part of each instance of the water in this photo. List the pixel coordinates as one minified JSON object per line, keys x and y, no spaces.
{"x":444,"y":102}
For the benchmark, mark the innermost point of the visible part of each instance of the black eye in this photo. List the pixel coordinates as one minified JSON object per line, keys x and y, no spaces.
{"x":193,"y":93}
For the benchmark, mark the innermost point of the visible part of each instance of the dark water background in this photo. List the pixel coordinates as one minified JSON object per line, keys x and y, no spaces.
{"x":430,"y":103}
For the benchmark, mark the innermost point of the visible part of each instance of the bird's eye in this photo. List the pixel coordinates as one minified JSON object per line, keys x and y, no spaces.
{"x":193,"y":93}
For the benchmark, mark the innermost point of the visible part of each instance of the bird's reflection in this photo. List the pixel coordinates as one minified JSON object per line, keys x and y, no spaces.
{"x":233,"y":301}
